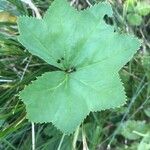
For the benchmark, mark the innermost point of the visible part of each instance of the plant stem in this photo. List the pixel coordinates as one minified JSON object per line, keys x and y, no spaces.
{"x":33,"y":7}
{"x":75,"y":138}
{"x":61,"y":141}
{"x":33,"y":136}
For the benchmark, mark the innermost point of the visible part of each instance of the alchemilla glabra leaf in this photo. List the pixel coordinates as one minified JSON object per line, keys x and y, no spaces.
{"x":89,"y":54}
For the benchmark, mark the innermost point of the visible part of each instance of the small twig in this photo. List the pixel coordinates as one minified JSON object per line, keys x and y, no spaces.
{"x":87,"y":1}
{"x":138,"y":133}
{"x":144,"y":41}
{"x":25,"y":69}
{"x":33,"y":7}
{"x":61,"y":141}
{"x":141,"y":107}
{"x":85,"y":146}
{"x":7,"y":81}
{"x":75,"y":138}
{"x":20,"y":121}
{"x":33,"y":136}
{"x":72,"y":2}
{"x":21,"y":78}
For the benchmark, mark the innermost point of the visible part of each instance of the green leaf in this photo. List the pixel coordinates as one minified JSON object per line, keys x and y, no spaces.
{"x":129,"y":6}
{"x":143,"y":8}
{"x":145,"y":143}
{"x":147,"y":111}
{"x":130,"y":126}
{"x":89,"y":55}
{"x":134,"y":19}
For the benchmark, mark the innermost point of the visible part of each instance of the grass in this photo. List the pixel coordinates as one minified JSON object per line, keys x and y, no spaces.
{"x":100,"y":130}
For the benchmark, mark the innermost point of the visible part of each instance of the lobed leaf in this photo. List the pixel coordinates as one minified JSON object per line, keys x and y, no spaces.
{"x":89,"y":54}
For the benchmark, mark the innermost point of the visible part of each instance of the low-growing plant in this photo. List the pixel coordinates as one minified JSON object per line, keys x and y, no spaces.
{"x":87,"y":54}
